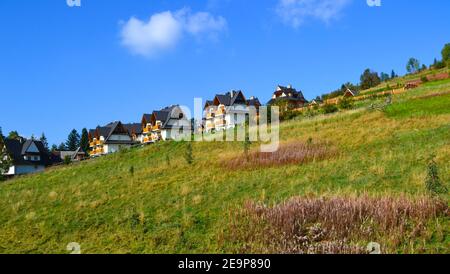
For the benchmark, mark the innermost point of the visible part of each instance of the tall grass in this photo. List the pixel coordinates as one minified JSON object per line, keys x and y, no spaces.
{"x":333,"y":225}
{"x":293,"y":153}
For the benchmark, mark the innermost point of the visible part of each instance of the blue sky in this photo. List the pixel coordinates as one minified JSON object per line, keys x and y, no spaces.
{"x":64,"y":68}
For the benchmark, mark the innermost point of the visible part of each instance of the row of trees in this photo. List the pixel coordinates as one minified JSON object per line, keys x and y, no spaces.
{"x":370,"y":78}
{"x":73,"y":142}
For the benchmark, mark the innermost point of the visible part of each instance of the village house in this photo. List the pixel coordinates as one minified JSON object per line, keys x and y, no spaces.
{"x":135,"y":131}
{"x":350,"y":93}
{"x":228,"y":110}
{"x":26,"y":156}
{"x":58,"y":157}
{"x":288,"y":95}
{"x":109,"y":139}
{"x":170,"y":123}
{"x":315,"y":103}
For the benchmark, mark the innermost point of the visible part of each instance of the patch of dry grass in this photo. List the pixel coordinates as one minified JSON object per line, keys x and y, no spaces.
{"x":292,"y":153}
{"x":336,"y":225}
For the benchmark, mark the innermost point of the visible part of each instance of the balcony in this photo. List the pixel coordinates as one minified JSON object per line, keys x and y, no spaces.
{"x":221,"y":122}
{"x":99,"y":143}
{"x":157,"y":127}
{"x":92,"y":144}
{"x":148,"y":139}
{"x":147,"y":129}
{"x":220,"y":111}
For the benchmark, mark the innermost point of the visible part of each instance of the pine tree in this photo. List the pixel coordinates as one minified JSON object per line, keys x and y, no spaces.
{"x":44,"y":141}
{"x":54,"y":147}
{"x":5,"y":160}
{"x":393,"y":74}
{"x":62,"y":147}
{"x":13,"y":135}
{"x":84,"y":141}
{"x":73,"y":140}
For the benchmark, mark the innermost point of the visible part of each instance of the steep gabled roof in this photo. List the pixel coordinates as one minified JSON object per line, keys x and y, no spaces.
{"x":291,"y":93}
{"x":254,"y":102}
{"x":165,"y":116}
{"x":17,"y":149}
{"x":208,"y":103}
{"x":147,"y":118}
{"x":230,"y":98}
{"x":135,"y":128}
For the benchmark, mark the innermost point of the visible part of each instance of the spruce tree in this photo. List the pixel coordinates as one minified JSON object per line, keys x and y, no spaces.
{"x":44,"y":141}
{"x":62,"y":147}
{"x":13,"y":135}
{"x":84,"y":141}
{"x":73,"y":140}
{"x":5,"y":160}
{"x":54,"y":147}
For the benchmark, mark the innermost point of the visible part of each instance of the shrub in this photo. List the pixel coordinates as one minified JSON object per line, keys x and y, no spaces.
{"x":346,"y":103}
{"x":67,"y":160}
{"x":168,"y":160}
{"x":131,"y":170}
{"x":329,"y":108}
{"x":333,"y":225}
{"x":188,"y":156}
{"x":439,"y":65}
{"x":433,"y":183}
{"x":424,"y":79}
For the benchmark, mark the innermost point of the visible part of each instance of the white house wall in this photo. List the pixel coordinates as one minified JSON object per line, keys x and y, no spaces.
{"x":113,"y":148}
{"x":20,"y":170}
{"x":119,"y":138}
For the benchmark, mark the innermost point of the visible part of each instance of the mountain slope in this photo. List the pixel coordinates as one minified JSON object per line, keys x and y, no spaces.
{"x":148,"y":200}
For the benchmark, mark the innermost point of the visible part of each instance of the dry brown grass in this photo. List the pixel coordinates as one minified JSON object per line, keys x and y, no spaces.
{"x":337,"y":225}
{"x":292,"y":153}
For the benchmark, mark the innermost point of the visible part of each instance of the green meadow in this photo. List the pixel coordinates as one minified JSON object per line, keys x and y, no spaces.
{"x":149,"y":200}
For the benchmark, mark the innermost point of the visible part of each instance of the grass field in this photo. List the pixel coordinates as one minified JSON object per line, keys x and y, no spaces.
{"x":148,"y":200}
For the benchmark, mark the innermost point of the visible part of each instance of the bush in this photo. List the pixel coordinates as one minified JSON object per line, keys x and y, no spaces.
{"x":439,"y":65}
{"x":346,"y":103}
{"x":188,"y":156}
{"x":328,"y":108}
{"x":424,"y":79}
{"x":131,"y":170}
{"x":67,"y":160}
{"x":433,"y":183}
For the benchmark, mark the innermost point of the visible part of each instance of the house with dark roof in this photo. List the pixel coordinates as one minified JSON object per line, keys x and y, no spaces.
{"x":228,"y":110}
{"x":109,"y":139}
{"x":58,"y":157}
{"x":135,"y":131}
{"x":350,"y":93}
{"x":289,"y":95}
{"x":27,"y":156}
{"x":170,"y":123}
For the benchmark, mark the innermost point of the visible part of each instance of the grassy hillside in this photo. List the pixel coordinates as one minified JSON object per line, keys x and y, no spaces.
{"x":148,"y":200}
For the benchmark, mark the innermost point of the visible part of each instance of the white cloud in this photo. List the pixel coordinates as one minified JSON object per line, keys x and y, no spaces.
{"x":164,"y":30}
{"x":296,"y":12}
